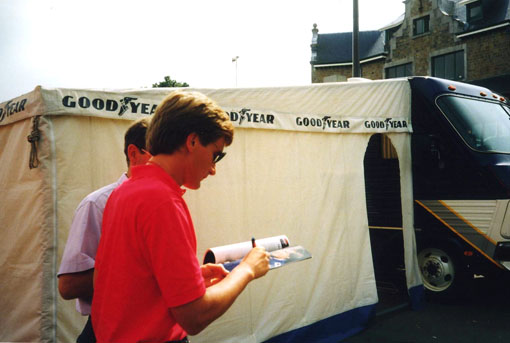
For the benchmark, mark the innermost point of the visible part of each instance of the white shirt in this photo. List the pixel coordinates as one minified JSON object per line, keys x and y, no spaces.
{"x":83,"y":240}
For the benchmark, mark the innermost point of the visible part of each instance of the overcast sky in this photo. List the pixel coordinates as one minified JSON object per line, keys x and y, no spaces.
{"x":132,"y":44}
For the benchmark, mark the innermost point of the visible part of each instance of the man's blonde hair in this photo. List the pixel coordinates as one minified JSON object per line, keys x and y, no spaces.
{"x":182,"y":113}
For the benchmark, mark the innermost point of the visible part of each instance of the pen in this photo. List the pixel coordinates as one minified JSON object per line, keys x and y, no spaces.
{"x":253,"y":244}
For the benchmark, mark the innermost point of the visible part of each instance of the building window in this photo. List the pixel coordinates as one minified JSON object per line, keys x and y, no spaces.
{"x":474,"y":12}
{"x":388,"y":36}
{"x":421,"y":25}
{"x":402,"y":70}
{"x":449,"y":66}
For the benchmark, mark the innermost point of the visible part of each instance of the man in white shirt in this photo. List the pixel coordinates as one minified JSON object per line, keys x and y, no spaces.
{"x":75,"y":276}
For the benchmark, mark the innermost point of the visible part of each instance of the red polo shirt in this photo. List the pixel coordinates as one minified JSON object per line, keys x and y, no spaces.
{"x":146,"y":261}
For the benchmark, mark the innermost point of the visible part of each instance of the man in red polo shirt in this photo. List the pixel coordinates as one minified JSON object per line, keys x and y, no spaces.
{"x":149,"y":285}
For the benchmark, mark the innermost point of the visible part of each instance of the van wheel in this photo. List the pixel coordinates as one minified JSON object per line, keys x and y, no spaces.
{"x":442,"y":271}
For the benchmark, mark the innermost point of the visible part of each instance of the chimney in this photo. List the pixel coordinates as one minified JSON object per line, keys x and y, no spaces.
{"x":315,"y":36}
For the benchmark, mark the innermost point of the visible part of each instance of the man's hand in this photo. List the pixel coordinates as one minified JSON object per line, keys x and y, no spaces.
{"x":194,"y":316}
{"x":213,"y":273}
{"x":258,"y":261}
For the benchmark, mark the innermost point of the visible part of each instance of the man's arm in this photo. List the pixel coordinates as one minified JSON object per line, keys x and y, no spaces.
{"x":195,"y":316}
{"x":76,"y":285}
{"x":80,"y":249}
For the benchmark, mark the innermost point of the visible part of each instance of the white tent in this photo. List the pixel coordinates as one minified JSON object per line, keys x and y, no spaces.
{"x":295,"y":168}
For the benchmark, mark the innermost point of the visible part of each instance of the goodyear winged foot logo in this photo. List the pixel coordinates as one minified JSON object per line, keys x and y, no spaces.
{"x":121,"y":106}
{"x":12,"y":107}
{"x":246,"y":115}
{"x":327,"y":122}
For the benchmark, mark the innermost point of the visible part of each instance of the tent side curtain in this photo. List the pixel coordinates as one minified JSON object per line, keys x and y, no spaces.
{"x":307,"y":186}
{"x":24,"y":257}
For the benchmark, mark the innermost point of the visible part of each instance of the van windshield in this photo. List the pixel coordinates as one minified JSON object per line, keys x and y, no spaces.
{"x":484,"y":125}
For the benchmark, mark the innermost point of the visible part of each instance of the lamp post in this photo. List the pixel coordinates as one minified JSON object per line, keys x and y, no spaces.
{"x":234,"y":60}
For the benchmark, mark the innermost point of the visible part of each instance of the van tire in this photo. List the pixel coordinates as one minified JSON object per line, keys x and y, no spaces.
{"x":443,"y":272}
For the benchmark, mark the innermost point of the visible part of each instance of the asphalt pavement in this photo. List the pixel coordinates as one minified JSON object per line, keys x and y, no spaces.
{"x":483,"y":315}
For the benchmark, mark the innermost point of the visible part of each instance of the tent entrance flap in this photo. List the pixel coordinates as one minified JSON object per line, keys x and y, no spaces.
{"x":384,"y":210}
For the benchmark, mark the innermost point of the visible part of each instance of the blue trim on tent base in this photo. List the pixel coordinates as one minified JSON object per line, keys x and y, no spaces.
{"x":332,"y":329}
{"x":417,"y":297}
{"x":343,"y":325}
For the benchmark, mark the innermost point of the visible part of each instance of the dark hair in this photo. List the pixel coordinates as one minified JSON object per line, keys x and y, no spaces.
{"x":135,"y":135}
{"x":182,"y":113}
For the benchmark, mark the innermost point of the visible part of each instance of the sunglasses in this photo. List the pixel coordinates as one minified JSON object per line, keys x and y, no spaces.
{"x":217,"y":156}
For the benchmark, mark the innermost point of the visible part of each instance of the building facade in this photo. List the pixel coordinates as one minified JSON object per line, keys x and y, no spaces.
{"x":462,"y":40}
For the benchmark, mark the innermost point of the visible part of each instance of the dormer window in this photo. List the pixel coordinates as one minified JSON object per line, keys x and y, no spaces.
{"x":421,"y":25}
{"x":474,"y":11}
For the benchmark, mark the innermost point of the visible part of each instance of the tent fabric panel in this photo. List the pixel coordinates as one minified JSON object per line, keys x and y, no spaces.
{"x":22,"y":254}
{"x":336,"y":108}
{"x":89,"y":154}
{"x":347,"y":99}
{"x":46,"y":155}
{"x":402,"y":144}
{"x":22,"y":107}
{"x":121,"y":104}
{"x":355,"y":101}
{"x":309,"y":187}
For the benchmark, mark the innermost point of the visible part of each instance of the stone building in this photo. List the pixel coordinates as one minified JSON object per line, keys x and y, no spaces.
{"x":463,"y":40}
